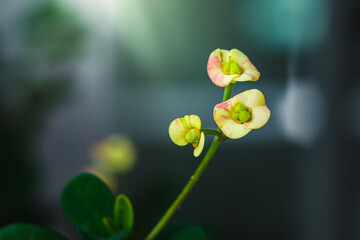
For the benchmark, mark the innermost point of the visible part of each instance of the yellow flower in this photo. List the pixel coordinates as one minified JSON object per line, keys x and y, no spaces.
{"x":237,"y":116}
{"x":187,"y":130}
{"x":114,"y":154}
{"x":229,"y":66}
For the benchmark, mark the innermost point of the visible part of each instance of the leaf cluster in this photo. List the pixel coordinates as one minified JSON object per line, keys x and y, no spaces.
{"x":91,"y":206}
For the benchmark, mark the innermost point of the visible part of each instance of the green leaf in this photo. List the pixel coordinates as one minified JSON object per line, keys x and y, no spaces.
{"x":123,"y":212}
{"x":111,"y":225}
{"x":185,"y":230}
{"x":85,"y":201}
{"x":192,"y":232}
{"x":123,"y":235}
{"x":86,"y":236}
{"x":20,"y":231}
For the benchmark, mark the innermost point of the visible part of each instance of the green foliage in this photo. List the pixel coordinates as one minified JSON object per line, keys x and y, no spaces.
{"x":184,"y":231}
{"x":193,"y":232}
{"x":85,"y":201}
{"x":123,"y":212}
{"x":90,"y":205}
{"x":123,"y":235}
{"x":54,"y":31}
{"x":86,"y":236}
{"x":111,"y":225}
{"x":28,"y":232}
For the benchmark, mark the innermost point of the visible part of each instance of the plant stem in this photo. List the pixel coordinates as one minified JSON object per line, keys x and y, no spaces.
{"x":194,"y":178}
{"x":227,"y":95}
{"x":211,"y":131}
{"x":227,"y":91}
{"x":218,"y":139}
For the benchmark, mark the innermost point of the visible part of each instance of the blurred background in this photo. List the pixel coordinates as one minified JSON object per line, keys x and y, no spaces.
{"x":73,"y":73}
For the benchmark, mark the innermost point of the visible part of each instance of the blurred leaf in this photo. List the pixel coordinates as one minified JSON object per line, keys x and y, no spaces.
{"x":185,"y":230}
{"x":21,"y":231}
{"x":86,"y":236}
{"x":53,"y":31}
{"x":86,"y":200}
{"x":123,"y":235}
{"x":111,"y":225}
{"x":192,"y":232}
{"x":123,"y":212}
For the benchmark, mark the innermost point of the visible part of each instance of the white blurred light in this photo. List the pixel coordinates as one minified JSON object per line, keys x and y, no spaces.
{"x":100,"y":14}
{"x":303,"y":111}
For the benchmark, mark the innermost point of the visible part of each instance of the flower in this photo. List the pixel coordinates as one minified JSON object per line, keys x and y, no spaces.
{"x":114,"y":154}
{"x":237,"y":116}
{"x":229,"y":66}
{"x":187,"y":130}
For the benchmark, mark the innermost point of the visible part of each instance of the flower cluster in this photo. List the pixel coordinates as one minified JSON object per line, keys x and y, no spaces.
{"x":236,"y":116}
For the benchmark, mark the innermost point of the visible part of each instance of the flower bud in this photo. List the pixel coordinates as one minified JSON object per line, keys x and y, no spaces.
{"x":231,"y":68}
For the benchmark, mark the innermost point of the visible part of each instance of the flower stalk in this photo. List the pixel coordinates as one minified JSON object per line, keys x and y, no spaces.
{"x":185,"y":192}
{"x":207,"y":131}
{"x":218,"y":139}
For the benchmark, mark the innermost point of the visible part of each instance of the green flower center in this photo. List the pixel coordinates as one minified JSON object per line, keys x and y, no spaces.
{"x":231,"y":68}
{"x":193,"y":136}
{"x":241,"y":113}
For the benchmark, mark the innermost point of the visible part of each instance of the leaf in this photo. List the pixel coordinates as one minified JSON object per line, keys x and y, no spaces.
{"x":85,"y":201}
{"x":183,"y":231}
{"x":192,"y":232}
{"x":86,"y":236}
{"x":111,"y":225}
{"x":123,"y":235}
{"x":20,"y":231}
{"x":123,"y":212}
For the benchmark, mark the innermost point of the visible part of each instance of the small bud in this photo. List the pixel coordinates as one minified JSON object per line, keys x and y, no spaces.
{"x":231,"y":68}
{"x":244,"y":116}
{"x":240,"y":107}
{"x":235,"y":116}
{"x":192,"y":136}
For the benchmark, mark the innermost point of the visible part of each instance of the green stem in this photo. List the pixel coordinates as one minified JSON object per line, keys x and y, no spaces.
{"x":194,"y":178}
{"x":227,"y":91}
{"x":211,"y":131}
{"x":218,"y":139}
{"x":227,"y":95}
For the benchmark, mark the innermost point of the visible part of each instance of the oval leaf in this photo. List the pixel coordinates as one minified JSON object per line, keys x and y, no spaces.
{"x":124,"y":235}
{"x":85,"y":201}
{"x":111,"y":226}
{"x":21,"y":231}
{"x":123,"y":212}
{"x":86,"y":236}
{"x":193,"y":232}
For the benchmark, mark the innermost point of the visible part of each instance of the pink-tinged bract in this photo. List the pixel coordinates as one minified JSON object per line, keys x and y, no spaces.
{"x":220,"y":57}
{"x":254,"y":101}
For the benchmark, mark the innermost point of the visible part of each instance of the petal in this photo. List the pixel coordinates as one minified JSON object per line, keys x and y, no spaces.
{"x":214,"y":68}
{"x":237,"y":56}
{"x":228,"y":126}
{"x":234,"y":130}
{"x":221,"y":113}
{"x":199,"y":148}
{"x":195,"y":121}
{"x":177,"y":132}
{"x":249,"y":71}
{"x":191,"y":121}
{"x":259,"y":117}
{"x":251,"y":98}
